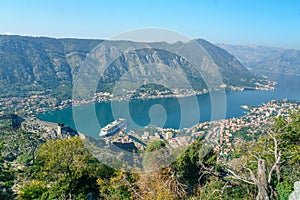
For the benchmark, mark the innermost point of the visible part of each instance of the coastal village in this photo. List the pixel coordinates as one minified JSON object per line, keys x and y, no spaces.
{"x":39,"y":103}
{"x":221,"y":135}
{"x":131,"y":145}
{"x":28,"y":106}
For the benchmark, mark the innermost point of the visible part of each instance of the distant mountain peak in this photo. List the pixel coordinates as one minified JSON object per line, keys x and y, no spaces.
{"x":264,"y":60}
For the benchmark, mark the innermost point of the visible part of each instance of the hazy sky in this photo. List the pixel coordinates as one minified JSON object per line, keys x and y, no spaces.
{"x":262,"y":22}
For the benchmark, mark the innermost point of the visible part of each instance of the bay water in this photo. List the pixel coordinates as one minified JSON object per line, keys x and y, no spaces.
{"x":172,"y":112}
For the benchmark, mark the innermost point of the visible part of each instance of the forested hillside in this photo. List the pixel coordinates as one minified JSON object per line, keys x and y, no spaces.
{"x":40,"y":65}
{"x":262,"y":168}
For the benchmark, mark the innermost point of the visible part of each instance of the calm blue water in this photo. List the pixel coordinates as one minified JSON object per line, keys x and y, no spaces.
{"x":172,"y":112}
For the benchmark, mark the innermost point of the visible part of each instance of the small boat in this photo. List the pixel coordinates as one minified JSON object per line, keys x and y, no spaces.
{"x":245,"y":107}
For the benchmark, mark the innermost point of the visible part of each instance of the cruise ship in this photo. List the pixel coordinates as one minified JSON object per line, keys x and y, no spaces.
{"x":113,"y":128}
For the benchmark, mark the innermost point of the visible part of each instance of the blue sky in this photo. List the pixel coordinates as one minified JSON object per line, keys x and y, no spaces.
{"x":261,"y":22}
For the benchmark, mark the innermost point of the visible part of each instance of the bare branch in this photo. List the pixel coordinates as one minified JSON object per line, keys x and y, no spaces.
{"x":131,"y":187}
{"x":277,"y":156}
{"x":237,"y":177}
{"x":261,"y":188}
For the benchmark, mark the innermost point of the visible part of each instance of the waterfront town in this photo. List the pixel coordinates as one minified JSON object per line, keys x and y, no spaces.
{"x":221,"y":135}
{"x":34,"y":104}
{"x":26,"y":106}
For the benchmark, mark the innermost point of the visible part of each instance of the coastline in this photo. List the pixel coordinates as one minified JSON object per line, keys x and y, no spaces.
{"x":34,"y":105}
{"x":242,"y":112}
{"x":107,"y":97}
{"x":254,"y":118}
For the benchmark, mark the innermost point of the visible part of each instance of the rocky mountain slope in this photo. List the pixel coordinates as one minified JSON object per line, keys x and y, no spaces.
{"x":47,"y":65}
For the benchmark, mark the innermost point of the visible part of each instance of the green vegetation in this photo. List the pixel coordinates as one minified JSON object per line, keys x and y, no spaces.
{"x":153,"y":154}
{"x":62,"y":91}
{"x":67,"y":168}
{"x":48,"y":65}
{"x":118,"y":186}
{"x":151,"y":90}
{"x":6,"y":178}
{"x":43,"y":64}
{"x":155,"y":145}
{"x":264,"y":167}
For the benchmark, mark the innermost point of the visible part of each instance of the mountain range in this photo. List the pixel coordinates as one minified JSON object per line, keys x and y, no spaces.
{"x":264,"y":60}
{"x":37,"y":65}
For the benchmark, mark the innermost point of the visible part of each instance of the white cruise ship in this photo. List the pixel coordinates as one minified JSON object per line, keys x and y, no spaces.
{"x":113,"y":128}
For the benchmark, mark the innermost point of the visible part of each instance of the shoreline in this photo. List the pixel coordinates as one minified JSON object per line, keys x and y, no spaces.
{"x":245,"y":107}
{"x":34,"y":105}
{"x":120,"y":99}
{"x":191,"y":129}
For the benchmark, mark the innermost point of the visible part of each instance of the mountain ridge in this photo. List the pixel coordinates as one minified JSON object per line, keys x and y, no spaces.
{"x":263,"y":60}
{"x":42,"y":64}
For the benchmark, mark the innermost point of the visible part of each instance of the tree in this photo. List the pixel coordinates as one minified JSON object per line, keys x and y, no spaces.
{"x":155,"y":145}
{"x":121,"y":185}
{"x":32,"y":190}
{"x":66,"y":158}
{"x":158,"y":184}
{"x":272,"y":162}
{"x":6,"y":178}
{"x":155,"y":154}
{"x":179,"y":179}
{"x":189,"y":166}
